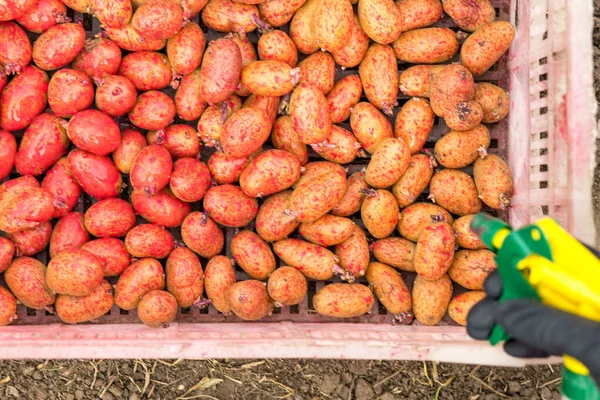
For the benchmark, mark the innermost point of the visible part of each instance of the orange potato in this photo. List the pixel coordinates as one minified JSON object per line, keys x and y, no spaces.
{"x":343,"y":300}
{"x":332,"y":23}
{"x":431,"y":299}
{"x":14,"y":9}
{"x":470,"y":15}
{"x":379,"y":75}
{"x":493,"y":180}
{"x":314,"y":261}
{"x":388,"y":163}
{"x":434,"y":251}
{"x":416,"y":217}
{"x":70,"y":91}
{"x":459,"y":149}
{"x":128,"y":39}
{"x":185,"y":278}
{"x":340,"y":147}
{"x":451,"y":86}
{"x":284,"y":138}
{"x":7,"y":252}
{"x":137,"y":280}
{"x":99,"y":58}
{"x":380,"y":19}
{"x":248,"y":55}
{"x":132,"y":142}
{"x":190,"y":179}
{"x":426,"y":46}
{"x":301,"y":30}
{"x":157,"y":309}
{"x":464,"y":236}
{"x":379,"y":213}
{"x":186,"y":48}
{"x":230,"y":206}
{"x":58,"y":46}
{"x":310,"y":114}
{"x":110,"y":218}
{"x":188,"y":103}
{"x":272,"y":223}
{"x":416,"y":80}
{"x":74,"y":273}
{"x":8,"y":307}
{"x":396,"y":252}
{"x":414,"y":180}
{"x":268,"y":104}
{"x":253,"y":255}
{"x":327,"y":231}
{"x":287,"y":286}
{"x":111,"y":252}
{"x":344,"y":95}
{"x":147,"y":70}
{"x":353,"y":198}
{"x":98,"y":176}
{"x":149,"y":241}
{"x":202,"y":235}
{"x":318,"y":70}
{"x":370,"y":126}
{"x":230,"y":16}
{"x":466,"y":116}
{"x":162,"y":209}
{"x":485,"y":46}
{"x":277,"y":45}
{"x":455,"y":191}
{"x":459,"y":307}
{"x":211,"y":127}
{"x":250,"y":300}
{"x":64,"y":188}
{"x":317,"y":168}
{"x":112,"y":13}
{"x":270,"y":172}
{"x":151,"y":169}
{"x":389,"y":287}
{"x":218,"y":277}
{"x":494,"y":101}
{"x":416,"y":14}
{"x":353,"y":254}
{"x":279,"y":12}
{"x":26,"y":210}
{"x":269,"y":77}
{"x":470,"y":268}
{"x":316,"y":197}
{"x":26,"y":279}
{"x":32,"y":241}
{"x":355,"y":47}
{"x":221,"y":68}
{"x":245,"y":132}
{"x":69,"y":233}
{"x":178,"y":139}
{"x":157,"y":20}
{"x":74,"y":310}
{"x":225,"y":168}
{"x":14,"y":187}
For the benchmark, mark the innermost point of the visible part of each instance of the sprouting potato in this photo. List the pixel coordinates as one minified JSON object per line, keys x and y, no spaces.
{"x":494,"y":101}
{"x":353,"y":254}
{"x":389,"y":287}
{"x":314,"y":261}
{"x":327,"y":231}
{"x":486,"y":45}
{"x":431,"y":299}
{"x":396,"y":252}
{"x":343,"y":300}
{"x":344,"y":95}
{"x":218,"y":277}
{"x":459,"y":149}
{"x":434,"y":251}
{"x":416,"y":217}
{"x":426,"y":46}
{"x":379,"y":74}
{"x":388,"y":163}
{"x":379,"y":213}
{"x":455,"y":191}
{"x":253,"y":255}
{"x":494,"y":182}
{"x":464,"y":236}
{"x":470,"y":268}
{"x":459,"y":307}
{"x":287,"y":286}
{"x":370,"y":126}
{"x":380,"y":19}
{"x":352,"y":200}
{"x":414,"y":180}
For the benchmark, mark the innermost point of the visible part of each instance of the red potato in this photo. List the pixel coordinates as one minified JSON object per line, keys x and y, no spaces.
{"x":8,"y":307}
{"x":287,"y":286}
{"x":157,"y":19}
{"x":344,"y":95}
{"x":485,"y":46}
{"x":249,"y":55}
{"x":157,"y":309}
{"x":470,"y":268}
{"x":318,"y":168}
{"x":353,"y":198}
{"x":316,"y":197}
{"x":202,"y":235}
{"x":128,"y":39}
{"x":149,"y":241}
{"x":250,"y":300}
{"x":69,"y":92}
{"x":380,"y":19}
{"x":272,"y":223}
{"x":10,"y":189}
{"x":269,"y":105}
{"x":15,"y":53}
{"x":109,"y":218}
{"x":58,"y":46}
{"x":192,"y":7}
{"x":301,"y":30}
{"x":26,"y":210}
{"x":379,"y":213}
{"x":44,"y":15}
{"x":230,"y":206}
{"x":416,"y":80}
{"x":74,"y":273}
{"x":147,"y":70}
{"x":185,"y":278}
{"x":434,"y":251}
{"x":218,"y":83}
{"x":379,"y":75}
{"x":151,"y":169}
{"x":318,"y":70}
{"x":218,"y":277}
{"x":370,"y":126}
{"x":162,"y":209}
{"x":188,"y":103}
{"x":32,"y":241}
{"x":26,"y":279}
{"x":269,"y":78}
{"x":452,"y":85}
{"x":43,"y":144}
{"x":494,"y":101}
{"x":230,"y":16}
{"x":340,"y":147}
{"x":416,"y":217}
{"x":416,"y":14}
{"x":470,"y":15}
{"x":388,"y":163}
{"x":96,"y":175}
{"x":137,"y":280}
{"x":284,"y":138}
{"x":270,"y":172}
{"x":414,"y":123}
{"x":327,"y":231}
{"x":112,"y":13}
{"x":13,"y":9}
{"x":186,"y":48}
{"x":245,"y":132}
{"x":332,"y":24}
{"x":459,"y":149}
{"x":69,"y":234}
{"x":153,"y":110}
{"x":277,"y":45}
{"x":343,"y":300}
{"x":178,"y":139}
{"x":314,"y":261}
{"x":414,"y":180}
{"x":112,"y":254}
{"x":310,"y":114}
{"x":455,"y":191}
{"x":279,"y":12}
{"x":431,"y":299}
{"x":390,"y":289}
{"x":115,"y":95}
{"x":459,"y":307}
{"x":94,"y":132}
{"x":426,"y":46}
{"x":74,"y":310}
{"x":7,"y":252}
{"x":211,"y":124}
{"x":464,"y":236}
{"x":23,"y":99}
{"x":190,"y":179}
{"x":253,"y":255}
{"x":8,"y":151}
{"x":353,"y":254}
{"x":132,"y":142}
{"x":396,"y":252}
{"x":226,"y":169}
{"x":494,"y":182}
{"x":355,"y":47}
{"x":99,"y":58}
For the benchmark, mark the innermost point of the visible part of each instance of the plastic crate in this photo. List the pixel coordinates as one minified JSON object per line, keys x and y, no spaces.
{"x":549,"y":141}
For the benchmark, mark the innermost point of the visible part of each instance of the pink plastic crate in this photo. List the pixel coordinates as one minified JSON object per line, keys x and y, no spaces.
{"x":549,"y":141}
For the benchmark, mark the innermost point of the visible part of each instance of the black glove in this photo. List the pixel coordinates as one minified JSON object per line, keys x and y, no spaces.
{"x":536,"y":330}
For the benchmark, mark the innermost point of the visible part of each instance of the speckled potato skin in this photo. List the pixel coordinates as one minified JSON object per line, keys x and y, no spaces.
{"x":416,"y":217}
{"x":277,"y":45}
{"x":279,"y":12}
{"x":249,"y":55}
{"x":317,"y":168}
{"x":314,"y":261}
{"x":493,"y":180}
{"x":316,"y":197}
{"x":42,"y":145}
{"x":388,"y":163}
{"x":113,"y":13}
{"x":268,"y":78}
{"x":58,"y":46}
{"x":151,"y":169}
{"x":455,"y":191}
{"x":414,"y":123}
{"x":225,"y":168}
{"x":111,"y":252}
{"x":14,"y":187}
{"x":32,"y":241}
{"x":318,"y":70}
{"x":380,"y":213}
{"x":230,"y":206}
{"x":188,"y":103}
{"x":162,"y":209}
{"x":219,"y":276}
{"x":284,"y":138}
{"x":464,"y":236}
{"x":26,"y":279}
{"x":137,"y":280}
{"x":465,"y":116}
{"x":414,"y":180}
{"x":185,"y":278}
{"x":310,"y":114}
{"x":74,"y":310}
{"x":8,"y":150}
{"x":426,"y":46}
{"x":7,"y":252}
{"x":327,"y":231}
{"x":8,"y":307}
{"x":94,"y":132}
{"x":147,"y":70}
{"x":459,"y":307}
{"x":470,"y":15}
{"x":416,"y":14}
{"x":340,"y":147}
{"x":128,"y":39}
{"x":355,"y":47}
{"x":26,"y":210}
{"x":74,"y":273}
{"x":353,"y":253}
{"x":380,"y":19}
{"x":250,"y":300}
{"x":157,"y":309}
{"x":218,"y":83}
{"x":116,"y":95}
{"x":494,"y":101}
{"x":229,"y":16}
{"x":190,"y":179}
{"x":332,"y":24}
{"x":132,"y":142}
{"x":287,"y":286}
{"x":180,"y":140}
{"x":389,"y":287}
{"x":470,"y":268}
{"x":416,"y":80}
{"x":344,"y":95}
{"x":343,"y":300}
{"x":270,"y":172}
{"x":485,"y":46}
{"x":23,"y":99}
{"x":15,"y":53}
{"x":253,"y":255}
{"x":202,"y":235}
{"x":301,"y":30}
{"x":268,"y":104}
{"x":110,"y":218}
{"x":69,"y":233}
{"x":396,"y":252}
{"x":153,"y":110}
{"x":13,"y":9}
{"x":459,"y":149}
{"x":96,"y":175}
{"x":69,"y":91}
{"x":211,"y":127}
{"x":430,"y":299}
{"x":272,"y":223}
{"x":379,"y":75}
{"x":100,"y":57}
{"x":449,"y":87}
{"x":434,"y":251}
{"x":370,"y":126}
{"x":149,"y":241}
{"x":157,"y":19}
{"x":245,"y":132}
{"x":353,"y":198}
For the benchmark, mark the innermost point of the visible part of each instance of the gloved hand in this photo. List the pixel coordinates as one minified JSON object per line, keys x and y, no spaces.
{"x":536,"y":330}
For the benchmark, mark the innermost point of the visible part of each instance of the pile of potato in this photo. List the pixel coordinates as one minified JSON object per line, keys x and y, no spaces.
{"x":231,"y":149}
